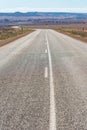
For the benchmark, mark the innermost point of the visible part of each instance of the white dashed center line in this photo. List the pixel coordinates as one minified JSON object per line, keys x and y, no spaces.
{"x":46,"y":72}
{"x":52,"y":95}
{"x":46,"y":51}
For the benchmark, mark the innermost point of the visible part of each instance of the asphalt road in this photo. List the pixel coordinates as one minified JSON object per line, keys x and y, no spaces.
{"x":43,"y":83}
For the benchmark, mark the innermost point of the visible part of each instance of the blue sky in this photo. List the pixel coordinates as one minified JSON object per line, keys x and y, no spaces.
{"x":43,"y":5}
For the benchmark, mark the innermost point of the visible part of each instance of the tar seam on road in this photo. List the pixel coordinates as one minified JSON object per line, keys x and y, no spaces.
{"x":52,"y":95}
{"x":46,"y":72}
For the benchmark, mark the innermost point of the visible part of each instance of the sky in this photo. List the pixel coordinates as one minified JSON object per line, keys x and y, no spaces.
{"x":43,"y":5}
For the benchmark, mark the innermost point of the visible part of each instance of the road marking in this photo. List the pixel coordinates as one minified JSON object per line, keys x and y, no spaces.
{"x":46,"y":72}
{"x":52,"y":95}
{"x":46,"y":51}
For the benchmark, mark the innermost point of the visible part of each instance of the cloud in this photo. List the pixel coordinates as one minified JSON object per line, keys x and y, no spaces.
{"x":24,"y":9}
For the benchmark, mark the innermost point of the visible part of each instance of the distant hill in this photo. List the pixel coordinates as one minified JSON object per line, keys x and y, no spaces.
{"x":42,"y":18}
{"x":47,"y":14}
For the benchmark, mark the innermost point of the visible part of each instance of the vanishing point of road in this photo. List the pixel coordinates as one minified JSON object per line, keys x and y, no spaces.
{"x":43,"y":83}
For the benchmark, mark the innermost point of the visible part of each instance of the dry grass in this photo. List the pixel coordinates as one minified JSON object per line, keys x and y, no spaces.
{"x":76,"y":31}
{"x":8,"y":34}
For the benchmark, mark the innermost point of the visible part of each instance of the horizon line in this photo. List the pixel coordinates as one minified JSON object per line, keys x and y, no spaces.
{"x":42,"y":12}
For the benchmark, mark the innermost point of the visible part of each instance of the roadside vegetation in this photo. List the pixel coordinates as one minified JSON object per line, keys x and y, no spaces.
{"x":8,"y":34}
{"x":77,"y":31}
{"x":81,"y":33}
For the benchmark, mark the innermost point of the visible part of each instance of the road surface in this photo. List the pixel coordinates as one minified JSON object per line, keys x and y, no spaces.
{"x":43,"y":83}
